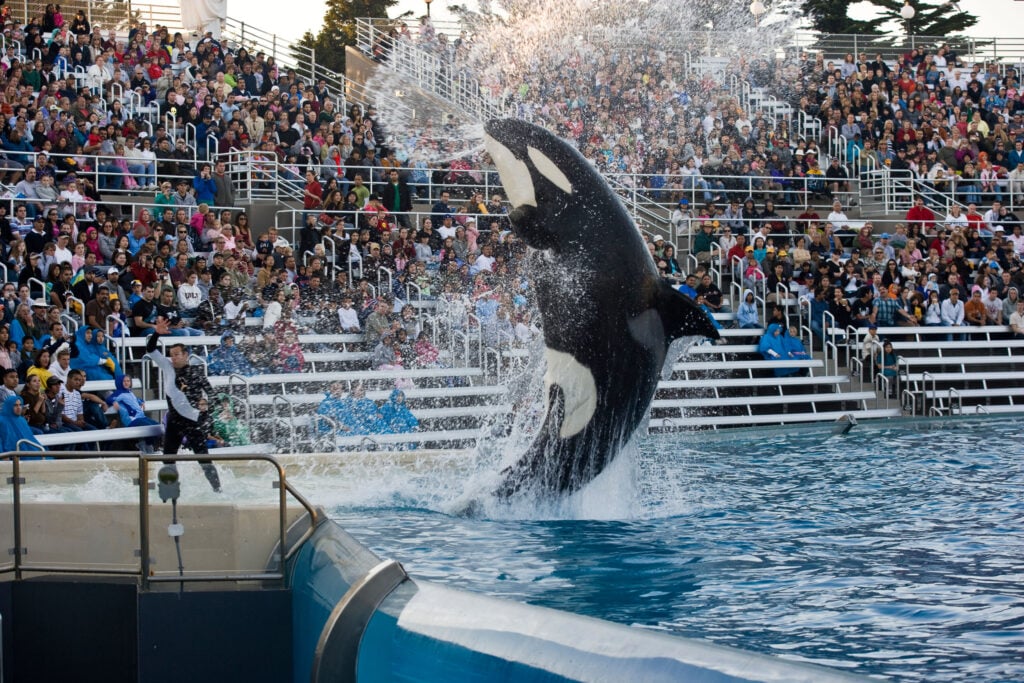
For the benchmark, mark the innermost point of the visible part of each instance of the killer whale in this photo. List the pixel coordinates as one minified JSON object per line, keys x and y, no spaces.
{"x":608,"y":318}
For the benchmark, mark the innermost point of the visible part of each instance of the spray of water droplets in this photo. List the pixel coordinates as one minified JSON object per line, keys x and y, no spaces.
{"x":537,"y":60}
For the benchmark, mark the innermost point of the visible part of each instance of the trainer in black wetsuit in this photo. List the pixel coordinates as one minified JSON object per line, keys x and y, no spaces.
{"x":186,"y":385}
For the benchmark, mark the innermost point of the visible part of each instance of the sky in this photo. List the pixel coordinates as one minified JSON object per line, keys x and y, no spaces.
{"x":996,"y":18}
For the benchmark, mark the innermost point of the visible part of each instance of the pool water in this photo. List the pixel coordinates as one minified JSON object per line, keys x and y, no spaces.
{"x":895,"y":550}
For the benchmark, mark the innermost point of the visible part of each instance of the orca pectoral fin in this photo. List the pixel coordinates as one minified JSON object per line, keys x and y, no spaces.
{"x":529,"y":227}
{"x":681,"y":316}
{"x":533,"y":470}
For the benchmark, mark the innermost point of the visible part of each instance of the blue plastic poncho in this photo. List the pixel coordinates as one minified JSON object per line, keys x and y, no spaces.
{"x":228,"y":360}
{"x":396,"y":416}
{"x":770,"y":346}
{"x":13,"y":428}
{"x":94,"y":358}
{"x":129,"y":406}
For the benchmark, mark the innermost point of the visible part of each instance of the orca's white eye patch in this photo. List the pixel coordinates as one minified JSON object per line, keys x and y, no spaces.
{"x":549,"y":170}
{"x":515,"y":174}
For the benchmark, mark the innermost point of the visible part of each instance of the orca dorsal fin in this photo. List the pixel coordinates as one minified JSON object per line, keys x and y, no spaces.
{"x":680,"y":315}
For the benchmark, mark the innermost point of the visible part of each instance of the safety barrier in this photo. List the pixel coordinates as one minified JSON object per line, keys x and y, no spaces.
{"x":19,"y":564}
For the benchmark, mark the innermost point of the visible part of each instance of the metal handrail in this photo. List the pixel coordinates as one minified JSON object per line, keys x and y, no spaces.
{"x":237,"y":378}
{"x":68,"y":310}
{"x":144,"y":460}
{"x":835,"y":357}
{"x":490,"y":352}
{"x":717,"y":256}
{"x":281,"y":398}
{"x":883,"y":384}
{"x":955,"y":394}
{"x":120,"y":348}
{"x":925,"y":378}
{"x":69,"y":322}
{"x":909,"y":398}
{"x":826,"y":317}
{"x":386,"y":272}
{"x":42,"y":286}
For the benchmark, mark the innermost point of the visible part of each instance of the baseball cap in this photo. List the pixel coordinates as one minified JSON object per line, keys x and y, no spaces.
{"x":53,"y":381}
{"x":112,"y":271}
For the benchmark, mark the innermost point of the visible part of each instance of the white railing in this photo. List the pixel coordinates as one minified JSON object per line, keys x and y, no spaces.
{"x":109,"y":15}
{"x":260,"y":176}
{"x":287,"y":53}
{"x":433,"y":71}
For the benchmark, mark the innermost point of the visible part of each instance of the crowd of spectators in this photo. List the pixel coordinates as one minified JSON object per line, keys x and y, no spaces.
{"x":361,"y":255}
{"x":192,"y":259}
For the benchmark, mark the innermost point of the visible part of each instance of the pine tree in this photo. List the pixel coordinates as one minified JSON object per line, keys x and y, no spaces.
{"x":339,"y":29}
{"x":829,"y":16}
{"x":931,"y":17}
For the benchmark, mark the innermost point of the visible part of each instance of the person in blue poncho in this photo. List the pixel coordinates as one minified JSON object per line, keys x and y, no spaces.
{"x":794,"y":350}
{"x":363,"y":416}
{"x":334,"y":405}
{"x":794,"y":347}
{"x":395,"y":414}
{"x":354,"y":414}
{"x":747,"y":315}
{"x":131,"y":410}
{"x":14,"y":427}
{"x":99,"y":343}
{"x":228,"y":359}
{"x":93,"y":356}
{"x":771,"y":347}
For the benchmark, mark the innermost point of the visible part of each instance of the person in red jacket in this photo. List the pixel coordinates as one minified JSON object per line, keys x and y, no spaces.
{"x":921,"y":215}
{"x":739,"y":250}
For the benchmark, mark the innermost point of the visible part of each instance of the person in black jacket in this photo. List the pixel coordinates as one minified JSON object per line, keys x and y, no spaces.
{"x":186,"y":385}
{"x":31,"y":270}
{"x":397,"y":197}
{"x":36,"y":239}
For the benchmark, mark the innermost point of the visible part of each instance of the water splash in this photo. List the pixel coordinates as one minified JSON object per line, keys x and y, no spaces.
{"x":530,"y":59}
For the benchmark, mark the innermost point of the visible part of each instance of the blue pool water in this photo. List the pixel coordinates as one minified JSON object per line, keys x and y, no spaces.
{"x":894,"y":551}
